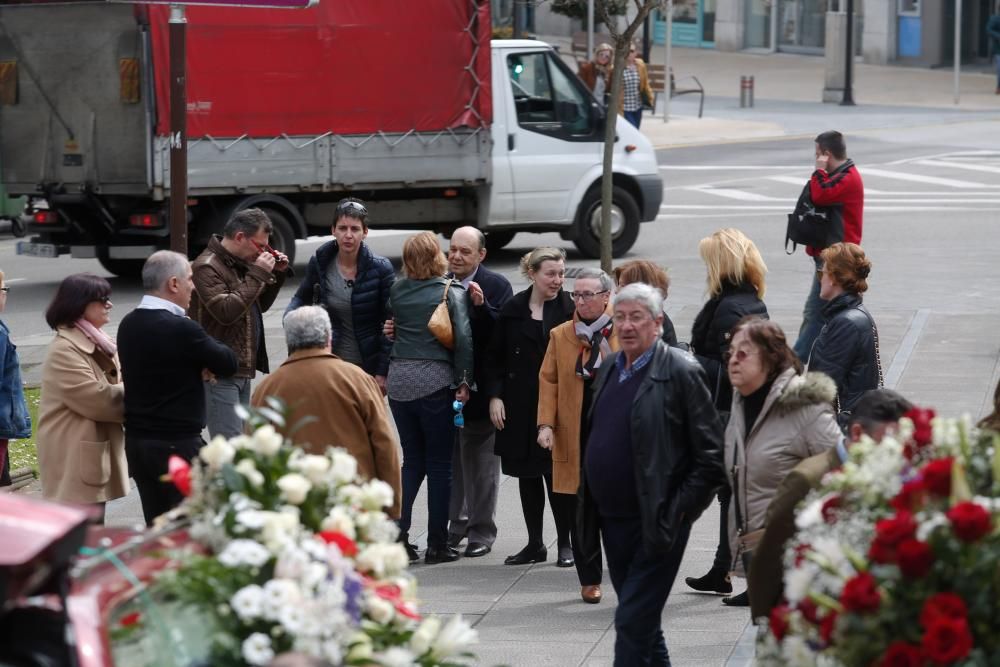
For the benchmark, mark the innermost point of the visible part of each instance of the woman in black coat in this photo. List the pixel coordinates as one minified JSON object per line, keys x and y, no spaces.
{"x":736,"y":288}
{"x":847,"y":347}
{"x":517,"y":347}
{"x":352,"y":283}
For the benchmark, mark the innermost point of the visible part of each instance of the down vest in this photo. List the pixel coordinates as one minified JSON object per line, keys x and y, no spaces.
{"x":369,"y":300}
{"x":846,"y":349}
{"x":796,"y":422}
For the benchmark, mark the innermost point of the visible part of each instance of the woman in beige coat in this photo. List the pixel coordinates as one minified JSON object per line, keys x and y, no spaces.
{"x":81,"y":453}
{"x":576,"y":351}
{"x":779,"y":417}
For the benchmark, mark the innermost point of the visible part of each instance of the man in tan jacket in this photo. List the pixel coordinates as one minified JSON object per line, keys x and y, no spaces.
{"x":345,"y":403}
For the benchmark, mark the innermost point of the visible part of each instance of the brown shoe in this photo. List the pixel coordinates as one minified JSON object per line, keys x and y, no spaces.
{"x":591,"y":594}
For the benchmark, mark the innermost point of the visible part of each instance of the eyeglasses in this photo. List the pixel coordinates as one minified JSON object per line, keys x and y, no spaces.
{"x":353,"y":208}
{"x":740,"y":355}
{"x":457,"y":406}
{"x":104,"y":299}
{"x":586,"y":296}
{"x":4,"y":289}
{"x":635,"y":319}
{"x":265,"y":247}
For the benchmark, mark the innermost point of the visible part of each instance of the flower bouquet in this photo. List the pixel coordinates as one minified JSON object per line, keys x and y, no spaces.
{"x":897,"y":557}
{"x":300,"y":557}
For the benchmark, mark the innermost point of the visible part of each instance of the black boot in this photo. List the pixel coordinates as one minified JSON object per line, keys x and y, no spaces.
{"x":716,"y":581}
{"x":741,"y":600}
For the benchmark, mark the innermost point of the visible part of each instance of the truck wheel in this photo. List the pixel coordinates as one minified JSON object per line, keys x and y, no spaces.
{"x":282,"y":236}
{"x":624,"y":223}
{"x":123,"y":268}
{"x":497,"y":240}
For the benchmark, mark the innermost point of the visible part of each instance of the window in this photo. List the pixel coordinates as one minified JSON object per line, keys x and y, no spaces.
{"x":908,"y":7}
{"x":548,"y":97}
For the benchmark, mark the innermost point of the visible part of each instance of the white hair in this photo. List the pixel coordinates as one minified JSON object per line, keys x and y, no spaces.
{"x":646,"y":295}
{"x":306,"y":328}
{"x":590,"y":273}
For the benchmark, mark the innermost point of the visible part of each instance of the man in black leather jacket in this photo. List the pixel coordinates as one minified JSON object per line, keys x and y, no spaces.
{"x":652,"y":464}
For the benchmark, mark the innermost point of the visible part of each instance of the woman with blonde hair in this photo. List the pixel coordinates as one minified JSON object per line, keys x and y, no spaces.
{"x":514,"y":358}
{"x":424,"y":378}
{"x":847,"y":346}
{"x":636,"y":91}
{"x":645,"y":271}
{"x":736,"y":287}
{"x":596,"y":73}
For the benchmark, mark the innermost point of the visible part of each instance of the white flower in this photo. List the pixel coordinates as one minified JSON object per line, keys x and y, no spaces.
{"x":797,"y":582}
{"x":292,"y":618}
{"x":455,"y":637}
{"x":349,"y":495}
{"x":244,"y":552}
{"x":344,"y":467}
{"x":796,"y":652}
{"x":241,"y":442}
{"x":376,"y":494}
{"x":377,"y":527}
{"x":248,"y":469}
{"x":294,"y":487}
{"x":280,"y":593}
{"x":423,"y":636}
{"x":314,"y":575}
{"x":340,"y":521}
{"x":811,"y":515}
{"x":334,"y":655}
{"x":252,"y":519}
{"x":279,"y":529}
{"x":382,"y":560}
{"x":395,"y":656}
{"x":291,"y":563}
{"x":314,"y":467}
{"x":257,"y":649}
{"x":361,"y":647}
{"x":248,"y":602}
{"x":379,"y":610}
{"x":266,"y":440}
{"x":217,"y":453}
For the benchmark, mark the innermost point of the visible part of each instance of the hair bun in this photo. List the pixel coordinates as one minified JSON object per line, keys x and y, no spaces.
{"x":864,"y":270}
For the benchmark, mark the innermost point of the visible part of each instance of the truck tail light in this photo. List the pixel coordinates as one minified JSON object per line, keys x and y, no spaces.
{"x":145,"y":220}
{"x":128,"y":78}
{"x":45,"y":217}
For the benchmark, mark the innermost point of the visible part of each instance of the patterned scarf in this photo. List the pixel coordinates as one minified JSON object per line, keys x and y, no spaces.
{"x":594,"y":346}
{"x":97,"y":337}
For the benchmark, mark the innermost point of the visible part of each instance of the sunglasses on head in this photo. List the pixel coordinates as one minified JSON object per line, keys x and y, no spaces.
{"x":353,"y":208}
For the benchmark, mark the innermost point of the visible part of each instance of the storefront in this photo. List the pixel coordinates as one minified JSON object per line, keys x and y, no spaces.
{"x":797,"y":26}
{"x":693,"y":25}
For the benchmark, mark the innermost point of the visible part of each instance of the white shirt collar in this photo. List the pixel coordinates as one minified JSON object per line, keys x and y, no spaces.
{"x":150,"y":302}
{"x":469,"y":278}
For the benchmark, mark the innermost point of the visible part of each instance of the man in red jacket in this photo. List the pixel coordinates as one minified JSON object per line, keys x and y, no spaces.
{"x":836,"y":181}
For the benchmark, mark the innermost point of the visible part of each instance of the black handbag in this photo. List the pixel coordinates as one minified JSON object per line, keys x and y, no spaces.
{"x":816,"y":226}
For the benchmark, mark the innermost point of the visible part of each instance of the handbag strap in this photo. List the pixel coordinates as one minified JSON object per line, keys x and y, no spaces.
{"x":741,"y":526}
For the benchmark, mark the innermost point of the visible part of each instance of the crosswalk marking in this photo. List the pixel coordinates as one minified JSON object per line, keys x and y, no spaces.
{"x":919,"y":178}
{"x":732,"y":193}
{"x":971,"y":166}
{"x":881,"y":206}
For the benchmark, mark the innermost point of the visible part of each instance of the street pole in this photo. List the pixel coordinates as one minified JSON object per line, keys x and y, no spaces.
{"x":517,"y":19}
{"x":848,"y":100}
{"x":590,"y":29}
{"x":958,"y":47}
{"x":645,"y":39}
{"x":178,"y":130}
{"x":666,"y":60}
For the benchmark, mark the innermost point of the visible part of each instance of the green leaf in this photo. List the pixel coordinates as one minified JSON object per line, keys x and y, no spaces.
{"x":235,"y":482}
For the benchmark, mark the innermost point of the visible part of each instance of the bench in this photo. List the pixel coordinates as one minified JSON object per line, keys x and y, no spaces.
{"x":579,"y":44}
{"x":656,"y":81}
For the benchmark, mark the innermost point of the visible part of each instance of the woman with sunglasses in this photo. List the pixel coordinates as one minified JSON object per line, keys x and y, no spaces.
{"x":779,"y":417}
{"x":736,"y":287}
{"x":576,"y":350}
{"x":596,"y":73}
{"x":15,"y":422}
{"x":81,"y":450}
{"x":352,"y":283}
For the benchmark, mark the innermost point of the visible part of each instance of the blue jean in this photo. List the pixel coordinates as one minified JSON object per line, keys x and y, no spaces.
{"x":812,"y":317}
{"x":427,"y":434}
{"x":221,"y":398}
{"x":642,"y":582}
{"x":996,"y":63}
{"x":634,"y":117}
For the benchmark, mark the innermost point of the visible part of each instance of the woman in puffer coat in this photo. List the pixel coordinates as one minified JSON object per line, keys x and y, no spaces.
{"x":779,"y":417}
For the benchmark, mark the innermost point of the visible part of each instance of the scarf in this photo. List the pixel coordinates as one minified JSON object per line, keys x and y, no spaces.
{"x":593,"y":344}
{"x":97,"y":337}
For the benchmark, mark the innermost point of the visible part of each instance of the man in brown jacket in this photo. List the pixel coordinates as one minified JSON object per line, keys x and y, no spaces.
{"x":345,"y":403}
{"x":236,"y":279}
{"x":877,"y":411}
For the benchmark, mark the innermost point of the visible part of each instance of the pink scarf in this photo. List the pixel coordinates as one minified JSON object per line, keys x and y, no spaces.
{"x":97,"y":337}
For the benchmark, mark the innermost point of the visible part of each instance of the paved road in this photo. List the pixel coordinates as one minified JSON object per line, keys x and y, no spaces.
{"x":932,"y":215}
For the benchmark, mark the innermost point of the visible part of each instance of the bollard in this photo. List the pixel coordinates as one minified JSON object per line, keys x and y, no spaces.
{"x":746,"y":92}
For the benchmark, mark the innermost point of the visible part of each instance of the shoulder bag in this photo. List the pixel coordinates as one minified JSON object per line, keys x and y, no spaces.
{"x":440,"y":322}
{"x":816,"y":226}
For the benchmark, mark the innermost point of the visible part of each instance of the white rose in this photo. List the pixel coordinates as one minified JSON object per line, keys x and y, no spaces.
{"x":279,"y":529}
{"x":266,"y":440}
{"x":241,"y":442}
{"x":257,"y":649}
{"x":314,"y":467}
{"x":252,"y":519}
{"x":349,"y":495}
{"x":396,"y":656}
{"x":344,"y":467}
{"x":377,"y":527}
{"x":376,"y":494}
{"x":382,"y":560}
{"x":333,"y":653}
{"x":248,"y":602}
{"x":454,"y":638}
{"x":217,"y":453}
{"x":420,"y":642}
{"x":248,"y":469}
{"x":340,"y":521}
{"x":361,"y":647}
{"x":294,"y":488}
{"x":379,"y":610}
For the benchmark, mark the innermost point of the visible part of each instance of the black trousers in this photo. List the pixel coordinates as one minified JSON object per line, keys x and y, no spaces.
{"x":147,"y":463}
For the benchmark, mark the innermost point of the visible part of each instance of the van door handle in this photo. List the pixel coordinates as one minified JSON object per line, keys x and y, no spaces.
{"x":510,"y":142}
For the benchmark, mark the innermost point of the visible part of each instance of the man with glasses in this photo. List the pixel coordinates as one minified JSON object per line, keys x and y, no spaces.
{"x":652,"y":464}
{"x":236,"y":279}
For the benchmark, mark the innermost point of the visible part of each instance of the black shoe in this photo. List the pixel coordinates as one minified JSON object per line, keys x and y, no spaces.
{"x":565,"y":557}
{"x":411,"y":552}
{"x":454,"y":540}
{"x":528,"y":554}
{"x":716,"y":581}
{"x":741,"y":600}
{"x":477,"y":549}
{"x":444,"y":554}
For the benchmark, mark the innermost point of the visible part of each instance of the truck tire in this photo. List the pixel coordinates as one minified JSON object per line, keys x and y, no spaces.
{"x":624,"y":222}
{"x":497,"y":240}
{"x":282,"y":236}
{"x":123,"y":268}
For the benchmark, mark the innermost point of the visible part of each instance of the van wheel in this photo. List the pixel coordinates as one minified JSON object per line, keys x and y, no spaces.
{"x":624,"y":223}
{"x":497,"y":240}
{"x":282,"y":234}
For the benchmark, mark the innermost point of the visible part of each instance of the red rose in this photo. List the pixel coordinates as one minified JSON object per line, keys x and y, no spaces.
{"x":880,"y":552}
{"x":947,"y":640}
{"x":809,"y":610}
{"x":914,"y":557}
{"x":889,"y":533}
{"x":922,"y":430}
{"x":943,"y":605}
{"x":861,"y":594}
{"x":970,"y":521}
{"x":830,"y":507}
{"x":347,"y":546}
{"x":901,"y":654}
{"x":911,"y":497}
{"x":937,"y":476}
{"x":827,"y":626}
{"x":128,"y":620}
{"x":779,"y":621}
{"x":179,"y":472}
{"x":800,"y":553}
